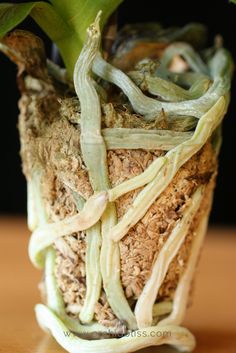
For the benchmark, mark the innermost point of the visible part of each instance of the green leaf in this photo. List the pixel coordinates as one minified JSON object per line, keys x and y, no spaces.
{"x":11,"y":15}
{"x":44,"y":14}
{"x":79,"y":14}
{"x":64,"y":21}
{"x":60,"y":32}
{"x":48,"y":19}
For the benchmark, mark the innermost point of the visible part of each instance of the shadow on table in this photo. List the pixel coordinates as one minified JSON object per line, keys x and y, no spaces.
{"x":207,"y":342}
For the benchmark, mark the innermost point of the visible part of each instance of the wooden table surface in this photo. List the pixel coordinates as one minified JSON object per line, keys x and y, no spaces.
{"x":212,"y":318}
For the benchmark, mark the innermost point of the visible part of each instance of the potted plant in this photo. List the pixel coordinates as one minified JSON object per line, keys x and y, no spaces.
{"x":119,"y":150}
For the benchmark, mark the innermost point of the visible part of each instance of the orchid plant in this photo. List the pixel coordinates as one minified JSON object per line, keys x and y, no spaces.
{"x":173,"y":113}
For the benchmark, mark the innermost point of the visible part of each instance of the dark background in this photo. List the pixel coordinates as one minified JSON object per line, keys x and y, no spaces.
{"x":219,"y":16}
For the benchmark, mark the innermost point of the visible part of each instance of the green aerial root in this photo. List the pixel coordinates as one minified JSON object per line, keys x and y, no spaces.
{"x":94,"y":155}
{"x":93,"y":273}
{"x":92,"y":267}
{"x":56,"y":304}
{"x":169,"y":91}
{"x":185,"y":50}
{"x":176,"y":336}
{"x":142,"y":179}
{"x":46,"y":234}
{"x":36,"y":214}
{"x":145,"y":302}
{"x":176,"y":316}
{"x":122,"y":138}
{"x":220,"y":68}
{"x":162,"y":308}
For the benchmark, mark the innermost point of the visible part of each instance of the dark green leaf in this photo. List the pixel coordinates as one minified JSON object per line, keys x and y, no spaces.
{"x":11,"y":15}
